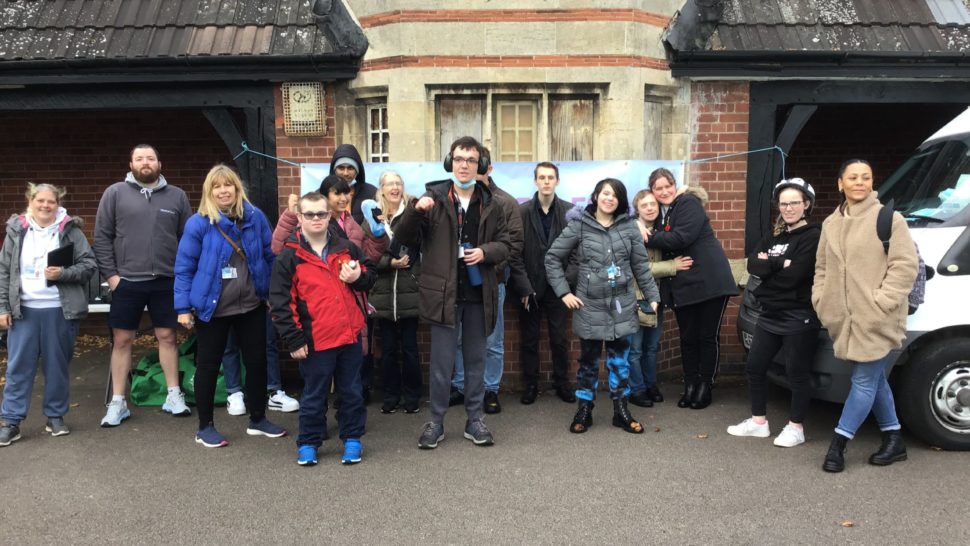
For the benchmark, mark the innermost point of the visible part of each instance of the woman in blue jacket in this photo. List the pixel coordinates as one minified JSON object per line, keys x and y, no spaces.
{"x":222,"y":273}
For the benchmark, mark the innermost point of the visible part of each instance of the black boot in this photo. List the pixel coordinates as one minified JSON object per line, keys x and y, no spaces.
{"x":892,"y":449}
{"x":684,"y":401}
{"x":835,"y":458}
{"x":641,"y":399}
{"x":702,"y":396}
{"x":655,"y":394}
{"x":623,"y":419}
{"x":584,"y":417}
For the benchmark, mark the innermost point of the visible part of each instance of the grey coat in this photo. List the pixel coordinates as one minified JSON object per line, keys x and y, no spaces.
{"x":71,"y":287}
{"x":598,"y":247}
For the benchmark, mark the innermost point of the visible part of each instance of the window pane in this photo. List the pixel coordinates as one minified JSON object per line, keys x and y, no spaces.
{"x":525,"y":142}
{"x":384,"y":118}
{"x":375,"y":122}
{"x":526,"y":115}
{"x":507,"y":115}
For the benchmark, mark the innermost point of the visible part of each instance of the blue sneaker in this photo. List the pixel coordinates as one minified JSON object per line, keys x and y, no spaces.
{"x":210,"y":437}
{"x":306,"y":455}
{"x":352,"y":451}
{"x":264,"y":428}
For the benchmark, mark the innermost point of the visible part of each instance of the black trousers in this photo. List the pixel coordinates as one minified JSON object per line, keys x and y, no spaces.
{"x":700,"y":346}
{"x":250,"y":330}
{"x":798,"y":354}
{"x":530,"y":323}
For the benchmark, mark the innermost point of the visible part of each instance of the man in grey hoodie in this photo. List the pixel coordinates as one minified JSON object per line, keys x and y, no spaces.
{"x":136,"y":234}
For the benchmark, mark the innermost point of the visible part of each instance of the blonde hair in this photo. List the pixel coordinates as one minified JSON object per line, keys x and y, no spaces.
{"x":207,"y":207}
{"x":382,"y":202}
{"x":34,"y":189}
{"x":636,"y":200}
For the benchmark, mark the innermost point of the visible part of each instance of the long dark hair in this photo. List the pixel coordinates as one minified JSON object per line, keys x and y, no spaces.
{"x":845,"y":165}
{"x":622,"y":206}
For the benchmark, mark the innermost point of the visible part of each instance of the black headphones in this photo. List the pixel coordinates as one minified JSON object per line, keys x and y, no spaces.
{"x":483,"y":163}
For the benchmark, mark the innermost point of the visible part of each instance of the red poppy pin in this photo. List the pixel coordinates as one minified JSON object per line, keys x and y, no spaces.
{"x":667,"y":227}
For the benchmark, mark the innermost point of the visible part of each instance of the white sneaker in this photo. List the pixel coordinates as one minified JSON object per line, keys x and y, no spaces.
{"x":236,"y":404}
{"x":117,"y":412}
{"x":175,"y":404}
{"x":790,"y":436}
{"x":749,"y":428}
{"x":280,"y":401}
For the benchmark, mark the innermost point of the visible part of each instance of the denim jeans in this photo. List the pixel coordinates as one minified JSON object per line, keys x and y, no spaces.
{"x":869,"y":392}
{"x":231,"y":367}
{"x":643,"y":355}
{"x":494,"y":352}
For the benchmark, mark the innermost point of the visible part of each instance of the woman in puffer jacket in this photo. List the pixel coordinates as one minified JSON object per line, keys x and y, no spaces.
{"x":41,"y":305}
{"x":612,"y":263}
{"x":222,"y":272}
{"x":861,"y":293}
{"x":395,"y":296}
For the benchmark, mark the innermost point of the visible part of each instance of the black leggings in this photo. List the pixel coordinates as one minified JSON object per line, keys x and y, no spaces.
{"x":700,"y":346}
{"x":250,"y":330}
{"x":798,"y":355}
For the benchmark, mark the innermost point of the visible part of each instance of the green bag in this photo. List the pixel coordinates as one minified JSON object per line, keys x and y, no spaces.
{"x":148,"y":387}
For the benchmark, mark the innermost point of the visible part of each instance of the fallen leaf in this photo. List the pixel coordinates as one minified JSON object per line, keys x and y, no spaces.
{"x":936,"y":448}
{"x":75,"y":404}
{"x":847,"y":523}
{"x":702,"y":436}
{"x":656,"y":429}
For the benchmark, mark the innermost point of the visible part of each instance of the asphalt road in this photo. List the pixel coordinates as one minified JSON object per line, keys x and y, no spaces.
{"x":684,"y":481}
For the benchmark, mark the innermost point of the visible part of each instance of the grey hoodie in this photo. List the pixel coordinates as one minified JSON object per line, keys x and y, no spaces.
{"x":71,"y":287}
{"x":137,"y":229}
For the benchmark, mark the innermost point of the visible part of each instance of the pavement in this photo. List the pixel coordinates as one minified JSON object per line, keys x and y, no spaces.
{"x":684,"y":481}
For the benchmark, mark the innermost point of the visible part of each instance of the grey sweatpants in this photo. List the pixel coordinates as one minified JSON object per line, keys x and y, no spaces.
{"x":470,"y":320}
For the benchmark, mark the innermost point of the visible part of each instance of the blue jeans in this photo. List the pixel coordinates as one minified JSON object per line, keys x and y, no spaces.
{"x":44,"y":336}
{"x":494,"y":352}
{"x":869,"y":392}
{"x":231,"y":365}
{"x":643,"y":355}
{"x":341,"y":365}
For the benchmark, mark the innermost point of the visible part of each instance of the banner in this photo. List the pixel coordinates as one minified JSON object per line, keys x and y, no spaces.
{"x":576,"y":178}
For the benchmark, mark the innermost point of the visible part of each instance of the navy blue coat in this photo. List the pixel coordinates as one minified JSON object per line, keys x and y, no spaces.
{"x":203,"y":252}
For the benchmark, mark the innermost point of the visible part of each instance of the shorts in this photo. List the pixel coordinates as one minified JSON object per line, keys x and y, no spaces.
{"x":130,"y":298}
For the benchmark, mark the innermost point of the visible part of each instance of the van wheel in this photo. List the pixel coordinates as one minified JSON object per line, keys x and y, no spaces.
{"x":933,"y":394}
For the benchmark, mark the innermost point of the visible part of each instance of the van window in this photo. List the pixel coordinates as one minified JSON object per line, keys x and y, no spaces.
{"x":932,"y":188}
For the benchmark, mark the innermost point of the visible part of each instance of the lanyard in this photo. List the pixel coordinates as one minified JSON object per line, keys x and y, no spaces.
{"x":460,"y":212}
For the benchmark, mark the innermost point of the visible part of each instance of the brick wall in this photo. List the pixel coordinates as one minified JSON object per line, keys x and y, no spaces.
{"x":88,"y":151}
{"x":883,"y":134}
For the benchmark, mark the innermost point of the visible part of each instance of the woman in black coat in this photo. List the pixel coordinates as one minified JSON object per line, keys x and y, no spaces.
{"x":699,"y":295}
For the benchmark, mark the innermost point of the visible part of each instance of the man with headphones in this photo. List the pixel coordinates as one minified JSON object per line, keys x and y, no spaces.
{"x":463,"y":234}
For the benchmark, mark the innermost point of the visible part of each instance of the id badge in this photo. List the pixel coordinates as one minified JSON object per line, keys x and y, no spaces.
{"x":229,"y":272}
{"x":461,"y":252}
{"x":612,"y":272}
{"x":29,"y":271}
{"x":619,"y":308}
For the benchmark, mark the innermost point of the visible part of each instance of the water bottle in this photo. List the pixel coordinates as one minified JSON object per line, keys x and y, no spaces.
{"x":474,"y":274}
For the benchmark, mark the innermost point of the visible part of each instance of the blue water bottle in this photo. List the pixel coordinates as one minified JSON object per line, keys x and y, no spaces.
{"x":474,"y":274}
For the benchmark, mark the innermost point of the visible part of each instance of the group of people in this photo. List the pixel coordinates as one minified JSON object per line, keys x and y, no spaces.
{"x":353,"y":260}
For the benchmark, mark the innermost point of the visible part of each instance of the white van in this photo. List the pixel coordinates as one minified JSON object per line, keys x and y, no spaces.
{"x":931,"y":373}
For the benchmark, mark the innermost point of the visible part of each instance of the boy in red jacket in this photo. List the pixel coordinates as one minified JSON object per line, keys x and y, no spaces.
{"x":320,"y":320}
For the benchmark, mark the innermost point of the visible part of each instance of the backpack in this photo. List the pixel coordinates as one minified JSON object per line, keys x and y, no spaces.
{"x":884,"y":228}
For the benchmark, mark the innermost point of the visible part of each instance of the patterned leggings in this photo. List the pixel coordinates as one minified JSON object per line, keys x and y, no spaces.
{"x":587,"y":377}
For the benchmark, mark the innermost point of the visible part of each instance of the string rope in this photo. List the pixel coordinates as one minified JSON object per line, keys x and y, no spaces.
{"x":781,"y":154}
{"x":246,"y":149}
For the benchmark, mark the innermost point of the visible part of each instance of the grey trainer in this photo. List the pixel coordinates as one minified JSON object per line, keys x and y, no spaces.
{"x":56,"y":426}
{"x":9,"y":434}
{"x":431,"y":435}
{"x":477,"y":432}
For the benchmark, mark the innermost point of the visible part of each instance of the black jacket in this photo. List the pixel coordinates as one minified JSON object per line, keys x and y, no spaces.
{"x":513,"y":222}
{"x":686,"y":231}
{"x":362,"y":190}
{"x":532,"y":278}
{"x":784,"y":288}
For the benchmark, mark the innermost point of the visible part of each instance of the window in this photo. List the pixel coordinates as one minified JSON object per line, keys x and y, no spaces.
{"x":377,"y":133}
{"x":458,"y":117}
{"x":570,"y":129}
{"x":516,"y":129}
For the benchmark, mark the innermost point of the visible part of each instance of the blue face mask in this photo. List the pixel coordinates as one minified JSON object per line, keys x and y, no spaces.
{"x":466,"y":186}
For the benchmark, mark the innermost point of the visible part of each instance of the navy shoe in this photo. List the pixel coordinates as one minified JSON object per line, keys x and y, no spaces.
{"x":352,"y":451}
{"x":265,"y":428}
{"x":306,"y":455}
{"x":210,"y":437}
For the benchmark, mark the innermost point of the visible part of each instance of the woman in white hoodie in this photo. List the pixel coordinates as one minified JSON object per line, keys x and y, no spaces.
{"x":41,"y":305}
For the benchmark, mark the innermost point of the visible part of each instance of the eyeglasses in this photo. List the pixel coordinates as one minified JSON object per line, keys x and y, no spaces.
{"x":393,"y":183}
{"x":790,"y":205}
{"x":322,"y":215}
{"x":465,"y":161}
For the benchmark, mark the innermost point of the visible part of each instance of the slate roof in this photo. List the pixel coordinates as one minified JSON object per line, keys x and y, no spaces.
{"x":792,"y":32}
{"x":134,"y":32}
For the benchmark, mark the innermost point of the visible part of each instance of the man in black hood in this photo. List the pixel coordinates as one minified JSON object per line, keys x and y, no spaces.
{"x":347,"y":164}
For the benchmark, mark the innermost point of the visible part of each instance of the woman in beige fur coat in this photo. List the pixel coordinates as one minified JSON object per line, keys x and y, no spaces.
{"x":860,"y":294}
